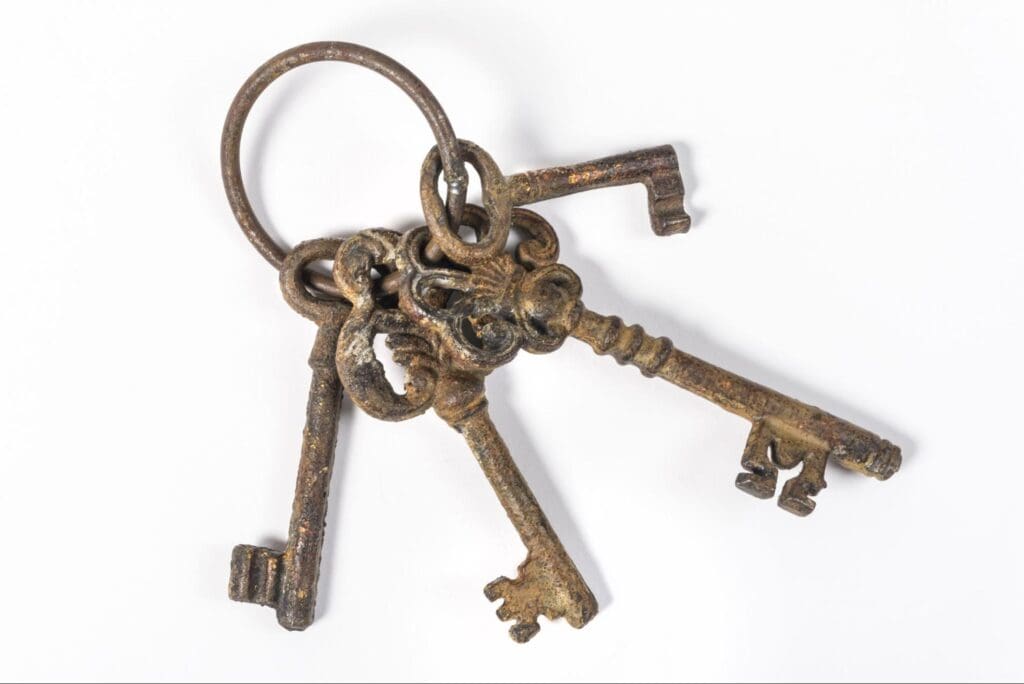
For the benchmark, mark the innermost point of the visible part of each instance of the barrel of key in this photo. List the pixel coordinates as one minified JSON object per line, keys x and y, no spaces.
{"x":785,"y":432}
{"x":287,"y":580}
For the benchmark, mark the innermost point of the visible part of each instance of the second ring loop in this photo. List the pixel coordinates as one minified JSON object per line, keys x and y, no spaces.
{"x":497,"y":203}
{"x":447,"y":145}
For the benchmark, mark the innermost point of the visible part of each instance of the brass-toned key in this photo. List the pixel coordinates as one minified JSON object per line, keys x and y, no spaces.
{"x":548,"y":582}
{"x":785,"y":431}
{"x":287,"y":580}
{"x":657,"y":168}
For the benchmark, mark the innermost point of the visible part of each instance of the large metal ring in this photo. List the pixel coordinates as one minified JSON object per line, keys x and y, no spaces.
{"x":454,"y":169}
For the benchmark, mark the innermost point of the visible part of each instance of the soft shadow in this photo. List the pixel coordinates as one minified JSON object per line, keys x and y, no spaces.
{"x":524,"y":451}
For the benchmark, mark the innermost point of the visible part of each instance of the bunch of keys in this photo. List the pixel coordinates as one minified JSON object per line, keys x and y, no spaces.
{"x":452,"y":311}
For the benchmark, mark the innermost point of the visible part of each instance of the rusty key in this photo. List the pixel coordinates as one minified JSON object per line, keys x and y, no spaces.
{"x":657,"y":168}
{"x":287,"y":580}
{"x":785,"y":431}
{"x":548,"y":582}
{"x":447,"y":375}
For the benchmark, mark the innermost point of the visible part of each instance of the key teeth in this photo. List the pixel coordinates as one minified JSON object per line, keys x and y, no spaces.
{"x":521,"y":632}
{"x":759,"y":485}
{"x":255,"y":575}
{"x":797,"y":493}
{"x":765,"y":452}
{"x":524,"y":602}
{"x":665,"y":198}
{"x":761,"y":476}
{"x":496,"y":589}
{"x":524,"y":629}
{"x":796,"y":498}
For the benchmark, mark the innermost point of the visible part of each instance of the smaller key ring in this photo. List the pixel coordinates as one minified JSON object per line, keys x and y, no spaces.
{"x":496,"y":200}
{"x":455,"y":175}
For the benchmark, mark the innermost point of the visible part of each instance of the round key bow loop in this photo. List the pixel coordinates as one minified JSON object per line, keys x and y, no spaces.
{"x":295,"y":276}
{"x":359,"y":259}
{"x":361,"y":373}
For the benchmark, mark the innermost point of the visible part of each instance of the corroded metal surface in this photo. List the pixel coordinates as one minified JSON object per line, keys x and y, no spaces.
{"x":452,"y":311}
{"x":287,"y":580}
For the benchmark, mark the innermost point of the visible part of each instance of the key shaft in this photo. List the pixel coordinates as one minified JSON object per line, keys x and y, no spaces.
{"x":548,"y":582}
{"x":288,"y":581}
{"x":302,"y":554}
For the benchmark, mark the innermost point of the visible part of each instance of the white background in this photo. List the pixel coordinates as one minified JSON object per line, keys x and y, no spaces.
{"x":855,"y":172}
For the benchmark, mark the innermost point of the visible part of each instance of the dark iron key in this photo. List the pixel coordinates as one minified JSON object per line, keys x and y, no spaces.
{"x":287,"y":580}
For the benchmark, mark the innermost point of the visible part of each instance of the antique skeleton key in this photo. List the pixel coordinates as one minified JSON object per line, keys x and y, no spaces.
{"x":287,"y":580}
{"x":548,"y":582}
{"x":785,"y":431}
{"x":453,"y":310}
{"x":447,"y":376}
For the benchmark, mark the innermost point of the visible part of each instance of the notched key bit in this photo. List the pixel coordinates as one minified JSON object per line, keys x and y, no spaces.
{"x":255,"y":575}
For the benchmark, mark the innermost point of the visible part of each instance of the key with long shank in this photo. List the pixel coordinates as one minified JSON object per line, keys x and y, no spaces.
{"x":785,"y":431}
{"x":448,"y":377}
{"x":287,"y":580}
{"x":548,"y":582}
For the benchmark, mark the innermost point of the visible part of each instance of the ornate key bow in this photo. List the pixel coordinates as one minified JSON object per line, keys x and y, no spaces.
{"x":452,"y":311}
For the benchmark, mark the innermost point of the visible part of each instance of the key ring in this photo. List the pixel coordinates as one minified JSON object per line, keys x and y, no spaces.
{"x":454,"y":168}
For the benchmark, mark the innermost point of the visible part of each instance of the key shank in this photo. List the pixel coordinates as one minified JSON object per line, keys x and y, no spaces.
{"x":288,"y":581}
{"x":548,"y":582}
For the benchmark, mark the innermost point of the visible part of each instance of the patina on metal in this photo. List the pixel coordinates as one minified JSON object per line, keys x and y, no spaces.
{"x":287,"y":580}
{"x":452,"y":311}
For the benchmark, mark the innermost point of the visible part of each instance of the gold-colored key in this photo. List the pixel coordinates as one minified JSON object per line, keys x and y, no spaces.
{"x":785,"y":432}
